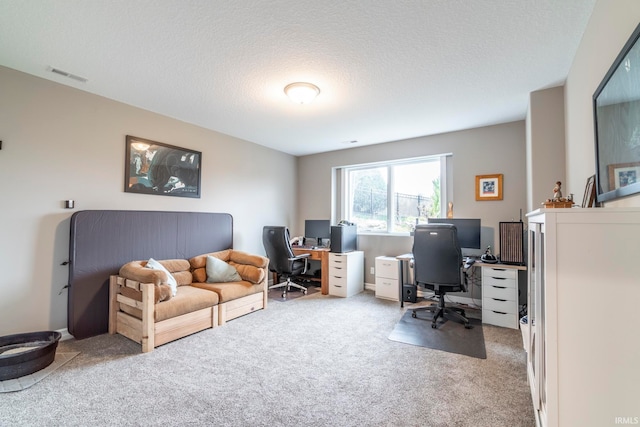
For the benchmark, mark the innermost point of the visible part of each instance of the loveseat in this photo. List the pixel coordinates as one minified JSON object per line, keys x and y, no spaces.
{"x":153,"y":305}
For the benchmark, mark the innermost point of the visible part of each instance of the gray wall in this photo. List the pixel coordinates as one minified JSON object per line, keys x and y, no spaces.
{"x":61,"y":143}
{"x":545,"y":147}
{"x":481,"y":151}
{"x":609,"y":28}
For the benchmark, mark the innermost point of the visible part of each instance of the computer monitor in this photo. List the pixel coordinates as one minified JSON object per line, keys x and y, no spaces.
{"x":317,"y":229}
{"x":468,"y":230}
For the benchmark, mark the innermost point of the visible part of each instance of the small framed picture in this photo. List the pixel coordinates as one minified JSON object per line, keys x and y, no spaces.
{"x":489,"y":187}
{"x":152,"y":167}
{"x":623,"y":174}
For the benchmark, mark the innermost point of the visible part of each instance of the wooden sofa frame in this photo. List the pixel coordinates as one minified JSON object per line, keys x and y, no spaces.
{"x":146,"y":331}
{"x":239,"y":307}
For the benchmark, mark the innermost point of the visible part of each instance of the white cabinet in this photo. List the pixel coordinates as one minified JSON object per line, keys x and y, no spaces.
{"x":346,"y":273}
{"x":583,"y":355}
{"x":388,"y":278}
{"x":500,"y":296}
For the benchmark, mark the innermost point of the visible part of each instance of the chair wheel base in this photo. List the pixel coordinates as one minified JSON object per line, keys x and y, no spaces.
{"x":440,"y":311}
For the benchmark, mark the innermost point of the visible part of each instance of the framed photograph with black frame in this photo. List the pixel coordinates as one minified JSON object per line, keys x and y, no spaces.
{"x":152,"y":167}
{"x":489,"y":187}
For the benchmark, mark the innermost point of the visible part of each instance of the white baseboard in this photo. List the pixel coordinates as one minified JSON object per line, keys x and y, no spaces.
{"x":65,"y":334}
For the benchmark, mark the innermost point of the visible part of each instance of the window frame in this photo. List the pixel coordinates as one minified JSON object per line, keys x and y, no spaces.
{"x":342,"y":191}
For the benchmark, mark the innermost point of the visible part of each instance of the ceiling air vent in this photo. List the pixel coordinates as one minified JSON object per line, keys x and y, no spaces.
{"x":65,"y":74}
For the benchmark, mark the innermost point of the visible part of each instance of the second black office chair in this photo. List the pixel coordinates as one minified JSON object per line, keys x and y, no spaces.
{"x":282,"y":260}
{"x":438,"y":266}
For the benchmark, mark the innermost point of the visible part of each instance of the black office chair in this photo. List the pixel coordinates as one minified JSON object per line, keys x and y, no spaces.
{"x":282,"y":260}
{"x":438,"y":266}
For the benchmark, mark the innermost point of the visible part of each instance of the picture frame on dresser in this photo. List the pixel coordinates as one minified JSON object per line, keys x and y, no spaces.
{"x":589,"y":198}
{"x":153,"y":167}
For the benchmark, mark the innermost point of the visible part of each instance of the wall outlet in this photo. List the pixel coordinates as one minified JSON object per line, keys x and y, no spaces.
{"x":373,"y":270}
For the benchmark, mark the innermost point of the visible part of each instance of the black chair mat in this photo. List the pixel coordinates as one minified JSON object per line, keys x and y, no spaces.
{"x":450,"y":335}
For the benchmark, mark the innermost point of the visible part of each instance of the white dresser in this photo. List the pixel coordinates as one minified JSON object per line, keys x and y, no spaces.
{"x":346,"y":273}
{"x":584,"y":287}
{"x":388,"y":278}
{"x":500,"y":295}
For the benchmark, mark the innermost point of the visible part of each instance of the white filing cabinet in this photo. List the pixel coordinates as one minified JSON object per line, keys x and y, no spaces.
{"x":500,"y":296}
{"x":346,"y":273}
{"x":388,"y":278}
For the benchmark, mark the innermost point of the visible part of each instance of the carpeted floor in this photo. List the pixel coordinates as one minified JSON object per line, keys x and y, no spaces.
{"x":317,"y":360}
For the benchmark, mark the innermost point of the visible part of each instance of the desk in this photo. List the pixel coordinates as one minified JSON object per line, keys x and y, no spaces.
{"x":322,"y":255}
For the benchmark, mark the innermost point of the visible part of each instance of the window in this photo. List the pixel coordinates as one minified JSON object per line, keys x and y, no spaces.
{"x":392,"y":197}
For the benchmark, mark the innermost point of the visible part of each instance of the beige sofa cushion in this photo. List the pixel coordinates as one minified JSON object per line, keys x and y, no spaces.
{"x":187,"y":300}
{"x":231,"y":290}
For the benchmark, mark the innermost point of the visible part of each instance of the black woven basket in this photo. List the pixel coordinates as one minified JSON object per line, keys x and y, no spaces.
{"x":21,"y":363}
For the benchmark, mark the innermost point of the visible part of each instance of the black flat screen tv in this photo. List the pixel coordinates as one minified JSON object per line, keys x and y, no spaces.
{"x":616,"y":109}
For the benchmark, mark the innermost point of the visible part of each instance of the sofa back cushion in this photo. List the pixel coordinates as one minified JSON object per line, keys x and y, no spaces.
{"x":179,"y":269}
{"x":171,"y":281}
{"x":252,"y":268}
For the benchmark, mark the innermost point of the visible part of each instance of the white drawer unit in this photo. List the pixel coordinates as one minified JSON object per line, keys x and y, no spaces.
{"x":388,"y":278}
{"x":500,"y":296}
{"x":346,"y":273}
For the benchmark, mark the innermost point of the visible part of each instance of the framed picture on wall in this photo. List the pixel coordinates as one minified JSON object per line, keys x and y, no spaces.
{"x":152,"y":167}
{"x":489,"y":187}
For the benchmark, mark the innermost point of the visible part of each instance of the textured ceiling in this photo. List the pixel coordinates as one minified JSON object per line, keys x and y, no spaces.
{"x":387,"y":69}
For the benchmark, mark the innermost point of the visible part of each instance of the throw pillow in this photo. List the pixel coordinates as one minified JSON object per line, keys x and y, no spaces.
{"x":219,"y":271}
{"x":171,"y":281}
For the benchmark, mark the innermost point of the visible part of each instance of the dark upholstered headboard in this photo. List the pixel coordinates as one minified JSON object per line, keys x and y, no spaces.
{"x":102,"y":241}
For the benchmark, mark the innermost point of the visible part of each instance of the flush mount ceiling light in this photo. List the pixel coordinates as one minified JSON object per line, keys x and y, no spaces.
{"x":301,"y":93}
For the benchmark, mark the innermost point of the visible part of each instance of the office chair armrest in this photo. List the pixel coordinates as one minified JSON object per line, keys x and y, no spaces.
{"x":299,"y":257}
